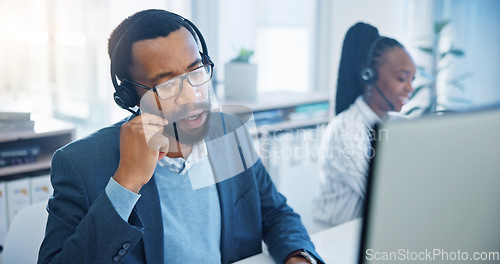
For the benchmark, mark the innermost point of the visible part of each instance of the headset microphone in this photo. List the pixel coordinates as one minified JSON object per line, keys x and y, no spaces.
{"x":383,"y":96}
{"x":369,"y":74}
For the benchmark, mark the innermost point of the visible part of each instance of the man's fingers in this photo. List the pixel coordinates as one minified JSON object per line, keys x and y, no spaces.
{"x":150,"y":127}
{"x":161,"y":155}
{"x":165,"y":147}
{"x":149,"y":119}
{"x":157,"y":141}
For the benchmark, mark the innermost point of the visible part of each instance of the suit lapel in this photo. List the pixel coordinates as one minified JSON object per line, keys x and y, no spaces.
{"x":149,"y":210}
{"x":226,"y":207}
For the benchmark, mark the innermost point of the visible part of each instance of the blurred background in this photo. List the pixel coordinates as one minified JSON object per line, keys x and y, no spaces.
{"x":53,"y":56}
{"x":54,"y":62}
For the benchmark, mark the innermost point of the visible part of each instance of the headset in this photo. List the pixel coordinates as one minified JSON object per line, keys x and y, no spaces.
{"x":369,"y":74}
{"x":125,"y":95}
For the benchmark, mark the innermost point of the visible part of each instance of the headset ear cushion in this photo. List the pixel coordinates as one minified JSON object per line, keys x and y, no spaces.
{"x":124,"y":97}
{"x":368,"y":75}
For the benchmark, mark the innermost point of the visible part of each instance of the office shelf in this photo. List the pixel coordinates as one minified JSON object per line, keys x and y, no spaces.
{"x":48,"y":134}
{"x":280,"y":112}
{"x":277,"y":111}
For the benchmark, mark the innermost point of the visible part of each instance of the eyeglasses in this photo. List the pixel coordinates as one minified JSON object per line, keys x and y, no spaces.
{"x":173,"y":87}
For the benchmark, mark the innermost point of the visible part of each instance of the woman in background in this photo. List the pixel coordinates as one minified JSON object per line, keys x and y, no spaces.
{"x":375,"y":75}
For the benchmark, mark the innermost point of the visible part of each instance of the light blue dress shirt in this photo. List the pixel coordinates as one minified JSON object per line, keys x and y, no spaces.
{"x":191,"y":216}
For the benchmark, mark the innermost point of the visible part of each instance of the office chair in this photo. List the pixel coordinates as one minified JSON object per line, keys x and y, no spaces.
{"x":25,"y":235}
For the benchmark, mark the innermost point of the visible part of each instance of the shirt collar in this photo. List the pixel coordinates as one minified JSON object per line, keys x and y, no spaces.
{"x":369,"y":116}
{"x":181,"y":165}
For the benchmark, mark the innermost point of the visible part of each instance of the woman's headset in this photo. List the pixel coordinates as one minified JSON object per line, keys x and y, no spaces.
{"x":125,"y":95}
{"x":369,"y":74}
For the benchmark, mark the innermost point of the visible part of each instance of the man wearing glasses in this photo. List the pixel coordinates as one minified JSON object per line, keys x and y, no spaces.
{"x":174,"y":183}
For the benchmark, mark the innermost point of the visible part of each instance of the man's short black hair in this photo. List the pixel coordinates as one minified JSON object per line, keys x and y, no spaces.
{"x":147,"y":24}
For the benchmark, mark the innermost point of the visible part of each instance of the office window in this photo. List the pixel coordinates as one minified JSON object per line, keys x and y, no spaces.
{"x":53,"y":55}
{"x":474,"y":28}
{"x":23,"y":53}
{"x":463,"y":82}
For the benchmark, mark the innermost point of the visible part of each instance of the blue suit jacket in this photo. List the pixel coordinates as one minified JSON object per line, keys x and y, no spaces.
{"x":83,"y":226}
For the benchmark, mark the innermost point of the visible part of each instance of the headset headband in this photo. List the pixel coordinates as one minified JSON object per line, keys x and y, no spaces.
{"x":371,"y":51}
{"x":126,"y":97}
{"x":113,"y":54}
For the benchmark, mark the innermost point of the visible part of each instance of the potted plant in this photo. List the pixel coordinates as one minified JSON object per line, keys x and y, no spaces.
{"x":241,"y":77}
{"x":440,"y":60}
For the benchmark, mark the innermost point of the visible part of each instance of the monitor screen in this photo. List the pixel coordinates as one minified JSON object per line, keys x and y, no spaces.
{"x":434,"y":191}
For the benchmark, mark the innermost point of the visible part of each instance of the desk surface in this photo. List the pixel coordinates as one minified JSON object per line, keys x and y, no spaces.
{"x":338,"y":244}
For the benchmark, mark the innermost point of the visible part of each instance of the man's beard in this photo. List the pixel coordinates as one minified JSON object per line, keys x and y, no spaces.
{"x":188,"y":137}
{"x":191,"y":136}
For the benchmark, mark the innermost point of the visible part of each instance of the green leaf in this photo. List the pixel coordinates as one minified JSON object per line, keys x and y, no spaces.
{"x":463,"y":76}
{"x":457,"y":52}
{"x":412,"y":110}
{"x":243,"y":56}
{"x":421,"y":68}
{"x":457,"y":81}
{"x":417,"y":89}
{"x":438,"y":26}
{"x":421,"y":71}
{"x":428,"y":50}
{"x":426,"y":110}
{"x":453,"y":51}
{"x":457,"y":84}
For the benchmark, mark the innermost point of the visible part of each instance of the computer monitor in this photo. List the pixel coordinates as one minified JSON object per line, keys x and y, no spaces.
{"x":434,"y":191}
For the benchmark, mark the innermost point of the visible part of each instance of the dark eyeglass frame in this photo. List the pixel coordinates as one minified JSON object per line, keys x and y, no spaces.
{"x":183,"y":77}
